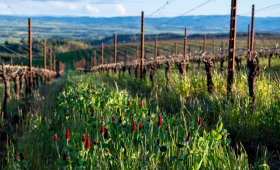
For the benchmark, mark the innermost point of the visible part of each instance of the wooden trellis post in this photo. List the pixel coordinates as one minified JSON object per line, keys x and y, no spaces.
{"x":30,"y":56}
{"x":232,"y":41}
{"x":136,"y":56}
{"x":45,"y":53}
{"x":252,"y":64}
{"x":115,"y":48}
{"x":54,"y":63}
{"x":7,"y":94}
{"x":204,"y":45}
{"x":175,"y":49}
{"x":94,"y":62}
{"x":125,"y":59}
{"x":155,"y":49}
{"x":213,"y":48}
{"x":50,"y":59}
{"x":185,"y":44}
{"x":102,"y":53}
{"x":252,"y":32}
{"x":142,"y":47}
{"x":249,"y":36}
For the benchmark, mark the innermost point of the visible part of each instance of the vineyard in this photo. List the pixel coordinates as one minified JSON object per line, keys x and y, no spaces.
{"x":194,"y":103}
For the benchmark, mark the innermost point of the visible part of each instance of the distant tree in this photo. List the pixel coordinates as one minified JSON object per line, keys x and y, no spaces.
{"x":19,"y":48}
{"x":6,"y":42}
{"x":22,"y":41}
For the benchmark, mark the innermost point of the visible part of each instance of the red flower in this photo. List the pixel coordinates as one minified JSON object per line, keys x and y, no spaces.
{"x":134,"y":127}
{"x":103,"y":120}
{"x":84,"y":138}
{"x":107,"y":150}
{"x":128,"y":103}
{"x":51,"y":116}
{"x":88,"y":144}
{"x":200,"y":122}
{"x":113,"y":118}
{"x":140,"y":126}
{"x":16,"y":158}
{"x":167,"y":128}
{"x":189,"y":136}
{"x":105,"y":85}
{"x":67,"y":134}
{"x":106,"y":134}
{"x":102,"y":129}
{"x":142,"y":104}
{"x":62,"y":90}
{"x":55,"y":137}
{"x":103,"y":107}
{"x":159,"y":121}
{"x":77,"y":146}
{"x":64,"y":157}
{"x":120,"y":120}
{"x":66,"y":115}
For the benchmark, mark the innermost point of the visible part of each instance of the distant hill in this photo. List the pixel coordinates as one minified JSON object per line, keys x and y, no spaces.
{"x":129,"y":38}
{"x":93,"y":28}
{"x":199,"y":23}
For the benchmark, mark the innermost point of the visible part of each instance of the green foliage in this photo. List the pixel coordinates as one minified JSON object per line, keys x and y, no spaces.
{"x":82,"y":106}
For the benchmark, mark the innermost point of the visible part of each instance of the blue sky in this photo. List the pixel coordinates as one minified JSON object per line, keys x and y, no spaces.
{"x":112,"y":8}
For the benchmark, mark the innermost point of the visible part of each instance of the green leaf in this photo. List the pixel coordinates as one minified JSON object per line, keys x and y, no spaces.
{"x":86,"y":163}
{"x":179,"y":145}
{"x":64,"y":149}
{"x":104,"y":145}
{"x":71,"y":150}
{"x":220,"y":126}
{"x":80,"y":163}
{"x":163,"y":148}
{"x":218,"y":137}
{"x":61,"y":164}
{"x":133,"y":156}
{"x":213,"y":134}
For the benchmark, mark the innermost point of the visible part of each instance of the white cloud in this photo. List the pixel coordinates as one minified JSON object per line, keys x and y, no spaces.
{"x":92,"y":9}
{"x":120,"y":9}
{"x":73,"y":7}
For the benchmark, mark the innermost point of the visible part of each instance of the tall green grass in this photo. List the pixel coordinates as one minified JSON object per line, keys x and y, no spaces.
{"x":84,"y":106}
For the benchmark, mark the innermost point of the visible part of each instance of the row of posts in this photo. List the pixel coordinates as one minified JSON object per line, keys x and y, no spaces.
{"x":232,"y":45}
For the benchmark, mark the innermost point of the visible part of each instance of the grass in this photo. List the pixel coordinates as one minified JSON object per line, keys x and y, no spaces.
{"x":84,"y":108}
{"x":233,"y":134}
{"x":260,"y":125}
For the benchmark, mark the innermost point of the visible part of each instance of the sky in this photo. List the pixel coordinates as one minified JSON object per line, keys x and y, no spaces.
{"x":113,"y":8}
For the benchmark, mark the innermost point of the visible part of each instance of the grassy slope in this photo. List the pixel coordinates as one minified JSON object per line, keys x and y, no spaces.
{"x":249,"y":127}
